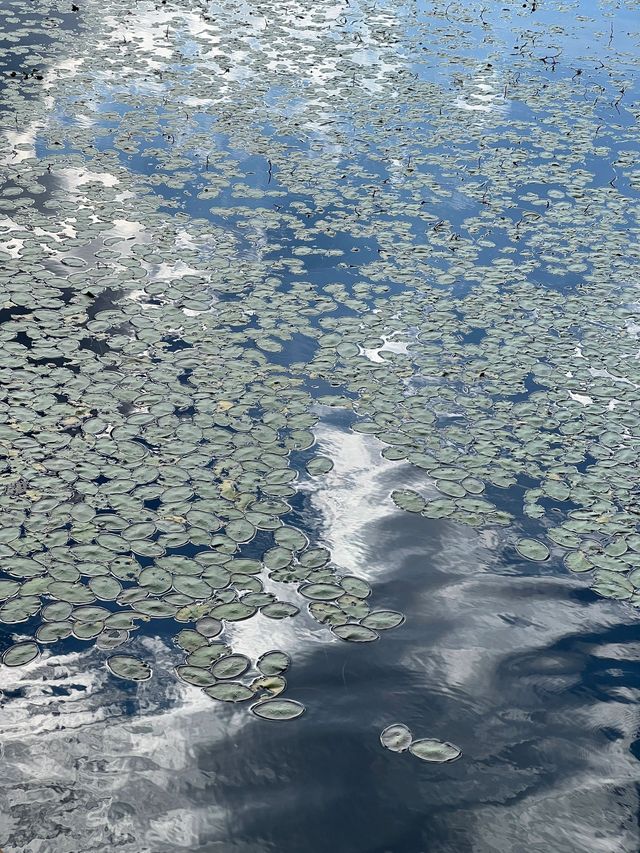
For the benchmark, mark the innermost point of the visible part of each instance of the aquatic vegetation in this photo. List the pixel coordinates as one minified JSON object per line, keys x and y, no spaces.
{"x":278,"y":709}
{"x":201,"y":258}
{"x":399,"y":738}
{"x":436,"y":751}
{"x":396,"y":737}
{"x":129,"y":667}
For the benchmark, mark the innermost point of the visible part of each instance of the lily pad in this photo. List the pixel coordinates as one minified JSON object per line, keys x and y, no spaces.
{"x":382,"y":620}
{"x":278,"y":709}
{"x":354,"y":633}
{"x":129,"y":667}
{"x":408,"y":500}
{"x":230,"y":666}
{"x":20,"y":654}
{"x":435,"y":751}
{"x":196,"y":675}
{"x":319,"y":465}
{"x":229,"y":691}
{"x":273,"y":663}
{"x":396,"y":737}
{"x":532,"y":549}
{"x":208,"y":626}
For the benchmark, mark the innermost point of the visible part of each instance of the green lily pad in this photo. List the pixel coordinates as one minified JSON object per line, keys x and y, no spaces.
{"x":280,"y":610}
{"x":198,"y":676}
{"x":273,"y":663}
{"x":532,"y":549}
{"x":278,"y":709}
{"x":234,"y":611}
{"x":396,"y":737}
{"x":51,"y":632}
{"x":230,"y":666}
{"x":408,"y":500}
{"x":382,"y":620}
{"x":229,"y":691}
{"x":612,"y":585}
{"x":204,"y":656}
{"x":20,"y":654}
{"x":355,"y":633}
{"x":208,"y":626}
{"x":129,"y":667}
{"x":319,"y":465}
{"x":321,"y":591}
{"x":435,"y":751}
{"x":355,"y":586}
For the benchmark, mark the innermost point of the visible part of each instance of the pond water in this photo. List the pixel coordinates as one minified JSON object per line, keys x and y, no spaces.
{"x":319,"y":336}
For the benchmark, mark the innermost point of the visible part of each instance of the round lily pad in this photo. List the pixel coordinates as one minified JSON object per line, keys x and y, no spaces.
{"x":205,"y":655}
{"x":319,"y":465}
{"x":230,"y":666}
{"x":229,"y":691}
{"x":532,"y":549}
{"x":408,"y":500}
{"x":321,"y":591}
{"x":129,"y":667}
{"x":355,"y":586}
{"x":354,"y":633}
{"x":278,"y":709}
{"x":208,"y":626}
{"x":280,"y":610}
{"x":436,"y":751}
{"x":396,"y":737}
{"x":382,"y":620}
{"x":196,"y":675}
{"x":234,"y":611}
{"x":51,"y":632}
{"x":273,"y":663}
{"x":272,"y":685}
{"x":20,"y":654}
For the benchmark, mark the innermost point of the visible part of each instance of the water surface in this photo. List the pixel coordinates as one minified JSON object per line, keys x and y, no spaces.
{"x":401,"y":237}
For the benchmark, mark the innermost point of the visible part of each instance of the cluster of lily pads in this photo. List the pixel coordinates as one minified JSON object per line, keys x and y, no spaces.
{"x":201,"y":253}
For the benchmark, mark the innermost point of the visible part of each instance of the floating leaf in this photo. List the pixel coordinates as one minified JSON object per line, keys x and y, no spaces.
{"x":198,"y":676}
{"x":229,"y":691}
{"x":280,"y":610}
{"x":204,"y":656}
{"x":273,"y":663}
{"x":532,"y":549}
{"x":208,"y":626}
{"x":278,"y":709}
{"x":235,"y":611}
{"x":230,"y":666}
{"x":382,"y":620}
{"x":273,"y":685}
{"x":354,"y":633}
{"x":51,"y":632}
{"x":20,"y":654}
{"x":396,"y":737}
{"x":437,"y":751}
{"x":355,"y":586}
{"x":319,"y":465}
{"x":612,"y":585}
{"x":321,"y":591}
{"x":408,"y":500}
{"x":129,"y":667}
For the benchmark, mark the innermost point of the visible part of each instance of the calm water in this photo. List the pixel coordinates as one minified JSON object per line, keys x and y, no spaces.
{"x":520,"y":663}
